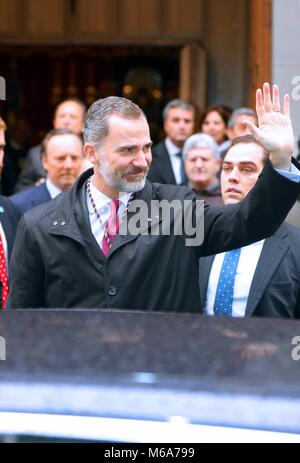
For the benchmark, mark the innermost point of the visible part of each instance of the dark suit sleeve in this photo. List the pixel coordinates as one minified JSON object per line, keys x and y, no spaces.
{"x":32,"y":170}
{"x":27,"y":282}
{"x":256,"y":217}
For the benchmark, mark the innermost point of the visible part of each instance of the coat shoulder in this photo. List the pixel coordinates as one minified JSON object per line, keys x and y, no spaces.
{"x":34,"y":216}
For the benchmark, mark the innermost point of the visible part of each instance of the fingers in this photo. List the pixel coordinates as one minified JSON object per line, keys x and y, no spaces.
{"x":267,"y":97}
{"x":264,"y":102}
{"x":259,"y":103}
{"x":276,"y":99}
{"x":252,"y":127}
{"x":286,"y":105}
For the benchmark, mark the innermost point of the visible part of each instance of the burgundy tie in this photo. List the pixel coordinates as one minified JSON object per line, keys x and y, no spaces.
{"x":3,"y":274}
{"x":112,"y":227}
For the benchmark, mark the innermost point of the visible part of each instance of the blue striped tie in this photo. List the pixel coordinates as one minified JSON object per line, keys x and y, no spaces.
{"x":224,"y":293}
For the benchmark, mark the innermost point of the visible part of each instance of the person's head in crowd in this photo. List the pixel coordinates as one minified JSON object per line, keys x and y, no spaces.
{"x":179,"y":121}
{"x":241,"y":167}
{"x":118,"y":144}
{"x":214,"y":122}
{"x":2,"y":142}
{"x":69,"y":114}
{"x":62,"y":157}
{"x":236,"y":126}
{"x":201,"y":160}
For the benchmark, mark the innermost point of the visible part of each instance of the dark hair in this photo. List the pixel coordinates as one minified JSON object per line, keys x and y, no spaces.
{"x":247,"y":139}
{"x":222,"y":110}
{"x":55,"y":133}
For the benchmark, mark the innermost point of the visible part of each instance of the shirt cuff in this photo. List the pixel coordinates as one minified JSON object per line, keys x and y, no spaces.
{"x":293,"y":174}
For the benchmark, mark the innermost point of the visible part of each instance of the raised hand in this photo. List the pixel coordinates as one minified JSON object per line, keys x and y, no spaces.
{"x":274,"y":129}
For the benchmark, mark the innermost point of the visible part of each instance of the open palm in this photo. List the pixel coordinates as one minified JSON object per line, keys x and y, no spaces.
{"x":274,"y":129}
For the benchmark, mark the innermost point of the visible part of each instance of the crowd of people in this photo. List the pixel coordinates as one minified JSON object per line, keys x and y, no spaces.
{"x":94,"y":166}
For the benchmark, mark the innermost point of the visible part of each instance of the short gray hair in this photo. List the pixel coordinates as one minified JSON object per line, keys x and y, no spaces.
{"x":240,"y":112}
{"x":200,"y":140}
{"x":96,"y":120}
{"x":177,"y":103}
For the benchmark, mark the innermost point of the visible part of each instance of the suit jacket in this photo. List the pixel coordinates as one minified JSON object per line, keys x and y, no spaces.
{"x":32,"y":171}
{"x":56,"y":261}
{"x":212,"y":197}
{"x":27,"y":199}
{"x":9,"y":220}
{"x":161,"y":170}
{"x":275,"y":288}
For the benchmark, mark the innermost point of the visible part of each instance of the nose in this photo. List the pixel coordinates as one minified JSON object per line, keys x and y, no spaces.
{"x":142,"y":160}
{"x":234,"y":175}
{"x":68,"y":164}
{"x":199,"y":163}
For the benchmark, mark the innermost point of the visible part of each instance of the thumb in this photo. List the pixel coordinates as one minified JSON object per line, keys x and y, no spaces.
{"x":252,"y":127}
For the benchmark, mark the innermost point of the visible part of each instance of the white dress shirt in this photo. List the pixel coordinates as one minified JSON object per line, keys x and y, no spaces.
{"x":176,"y":161}
{"x":53,"y":189}
{"x":4,"y":242}
{"x":244,"y":275}
{"x":103,"y":207}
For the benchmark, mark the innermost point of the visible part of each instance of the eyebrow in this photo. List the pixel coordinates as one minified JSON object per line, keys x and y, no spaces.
{"x":120,"y":148}
{"x":241,"y":162}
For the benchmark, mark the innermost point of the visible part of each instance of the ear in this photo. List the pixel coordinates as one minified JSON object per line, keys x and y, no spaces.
{"x":91,"y":153}
{"x":44,"y":162}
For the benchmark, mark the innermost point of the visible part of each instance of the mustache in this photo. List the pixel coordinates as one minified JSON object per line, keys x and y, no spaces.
{"x":136,"y":171}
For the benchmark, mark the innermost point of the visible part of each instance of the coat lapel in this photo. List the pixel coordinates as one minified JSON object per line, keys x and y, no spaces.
{"x":7,"y":228}
{"x":274,"y":249}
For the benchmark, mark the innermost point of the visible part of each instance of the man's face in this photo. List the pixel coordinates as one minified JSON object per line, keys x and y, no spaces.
{"x":122,"y":162}
{"x":179,"y":125}
{"x":69,"y":115}
{"x":63,"y":160}
{"x":240,"y":129}
{"x":2,"y":145}
{"x":201,"y":167}
{"x":240,"y":170}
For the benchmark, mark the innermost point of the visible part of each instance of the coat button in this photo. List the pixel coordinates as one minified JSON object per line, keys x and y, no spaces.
{"x":112,"y":290}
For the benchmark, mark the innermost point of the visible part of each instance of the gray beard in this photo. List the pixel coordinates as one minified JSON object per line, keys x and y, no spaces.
{"x":118,"y":183}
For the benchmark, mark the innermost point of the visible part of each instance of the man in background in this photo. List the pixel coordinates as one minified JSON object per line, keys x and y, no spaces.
{"x":167,"y":163}
{"x":236,"y":124}
{"x":62,"y":158}
{"x":202,"y":163}
{"x":68,"y":114}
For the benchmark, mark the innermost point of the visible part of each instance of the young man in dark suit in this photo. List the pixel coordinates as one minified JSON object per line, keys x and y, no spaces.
{"x":263,"y":278}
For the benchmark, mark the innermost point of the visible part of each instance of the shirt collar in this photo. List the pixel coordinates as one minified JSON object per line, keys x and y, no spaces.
{"x":101,"y":200}
{"x":53,"y":189}
{"x":173,"y":150}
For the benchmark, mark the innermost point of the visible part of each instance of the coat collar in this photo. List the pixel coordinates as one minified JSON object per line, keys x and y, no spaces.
{"x":72,"y":220}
